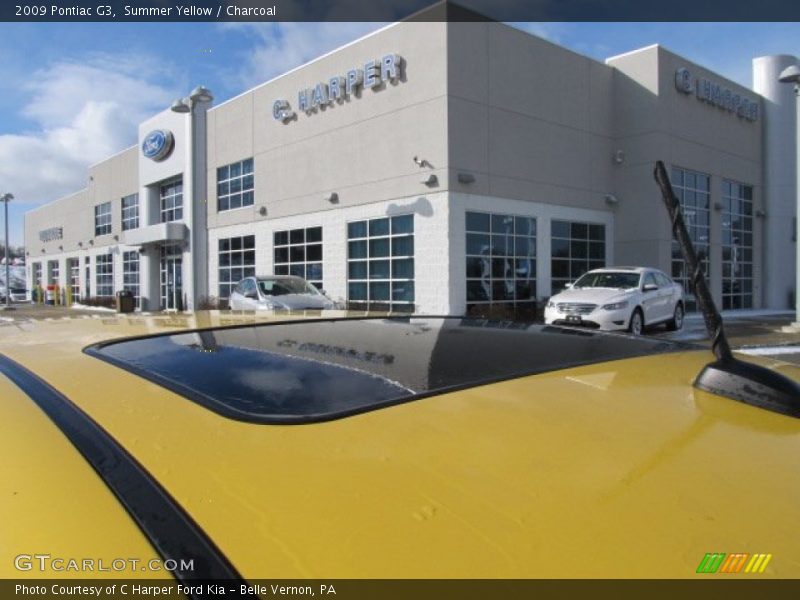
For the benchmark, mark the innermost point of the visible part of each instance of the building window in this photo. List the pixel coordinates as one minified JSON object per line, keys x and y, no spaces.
{"x":237,"y":260}
{"x":102,"y":219}
{"x":737,"y":245}
{"x":380,"y":263}
{"x":235,"y":185}
{"x":171,"y":194}
{"x":575,"y":248}
{"x":130,"y":212}
{"x":37,"y":274}
{"x":88,"y":276}
{"x":501,"y":263}
{"x":52,"y":272}
{"x":694,"y":193}
{"x":299,"y":252}
{"x":74,"y":271}
{"x":104,"y":271}
{"x":130,"y":274}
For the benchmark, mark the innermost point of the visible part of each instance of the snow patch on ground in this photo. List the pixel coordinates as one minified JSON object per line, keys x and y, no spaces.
{"x":770,"y":350}
{"x":95,"y":308}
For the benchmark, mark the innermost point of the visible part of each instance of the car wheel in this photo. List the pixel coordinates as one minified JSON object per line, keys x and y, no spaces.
{"x":636,"y":326}
{"x":676,"y":323}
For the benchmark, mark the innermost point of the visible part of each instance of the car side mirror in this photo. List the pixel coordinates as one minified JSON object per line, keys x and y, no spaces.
{"x":568,"y":285}
{"x":650,"y":287}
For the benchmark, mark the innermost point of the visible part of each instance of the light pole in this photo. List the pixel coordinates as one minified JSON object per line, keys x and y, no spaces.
{"x":194,"y":176}
{"x":6,"y":198}
{"x":791,"y":74}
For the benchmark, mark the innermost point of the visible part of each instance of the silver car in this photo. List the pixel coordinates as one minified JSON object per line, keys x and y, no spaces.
{"x":279,"y":292}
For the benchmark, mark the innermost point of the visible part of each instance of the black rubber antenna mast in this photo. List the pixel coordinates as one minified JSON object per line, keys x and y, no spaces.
{"x":727,"y":376}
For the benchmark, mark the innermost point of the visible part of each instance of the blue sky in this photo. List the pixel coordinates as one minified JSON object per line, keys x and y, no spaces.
{"x":73,"y":93}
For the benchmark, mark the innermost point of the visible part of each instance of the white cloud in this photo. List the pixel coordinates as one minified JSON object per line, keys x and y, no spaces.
{"x":82,"y":112}
{"x":279,"y":47}
{"x":552,"y":32}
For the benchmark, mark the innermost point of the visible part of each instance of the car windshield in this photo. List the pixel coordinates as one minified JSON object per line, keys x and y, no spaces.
{"x":281,"y":287}
{"x":608,"y":279}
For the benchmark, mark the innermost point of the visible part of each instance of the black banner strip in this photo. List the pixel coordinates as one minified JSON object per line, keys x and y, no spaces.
{"x":172,"y":532}
{"x":394,"y":10}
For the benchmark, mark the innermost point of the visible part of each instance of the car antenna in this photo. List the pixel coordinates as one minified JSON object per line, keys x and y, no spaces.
{"x":727,"y":376}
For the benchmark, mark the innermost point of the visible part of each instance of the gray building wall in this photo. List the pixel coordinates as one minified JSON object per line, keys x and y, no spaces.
{"x":530,"y":119}
{"x":361,"y":149}
{"x":654,"y":121}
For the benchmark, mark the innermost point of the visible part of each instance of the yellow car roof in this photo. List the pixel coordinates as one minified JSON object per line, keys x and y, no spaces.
{"x":516,"y":478}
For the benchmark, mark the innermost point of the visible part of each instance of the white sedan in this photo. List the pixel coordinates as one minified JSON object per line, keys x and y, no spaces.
{"x":281,"y":292}
{"x":627,"y":298}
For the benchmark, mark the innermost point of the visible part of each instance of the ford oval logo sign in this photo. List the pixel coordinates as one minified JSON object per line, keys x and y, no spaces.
{"x":158,"y":144}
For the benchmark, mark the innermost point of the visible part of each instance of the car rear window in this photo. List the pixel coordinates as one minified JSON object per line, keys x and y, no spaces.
{"x":307,"y":371}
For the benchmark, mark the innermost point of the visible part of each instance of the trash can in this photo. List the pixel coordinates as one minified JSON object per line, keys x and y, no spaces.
{"x":125,"y":303}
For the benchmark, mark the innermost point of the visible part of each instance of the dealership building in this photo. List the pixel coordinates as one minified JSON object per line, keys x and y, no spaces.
{"x":441,"y":168}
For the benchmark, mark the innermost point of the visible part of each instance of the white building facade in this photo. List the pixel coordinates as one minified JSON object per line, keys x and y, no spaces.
{"x":441,"y":168}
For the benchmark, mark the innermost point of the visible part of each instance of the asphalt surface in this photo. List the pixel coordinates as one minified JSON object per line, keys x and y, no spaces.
{"x":753,"y":333}
{"x":744,"y":332}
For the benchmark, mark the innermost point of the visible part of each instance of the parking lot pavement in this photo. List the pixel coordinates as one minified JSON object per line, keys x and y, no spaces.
{"x":754,"y":334}
{"x":26,"y":312}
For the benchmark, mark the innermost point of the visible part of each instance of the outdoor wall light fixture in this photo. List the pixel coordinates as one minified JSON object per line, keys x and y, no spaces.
{"x":333,"y":198}
{"x":618,"y":157}
{"x":180,"y":106}
{"x":718,"y":206}
{"x":201,"y":94}
{"x":198,"y":94}
{"x":760,"y":213}
{"x":431,"y":180}
{"x":466,"y":178}
{"x":421,"y":162}
{"x":80,"y":244}
{"x":262,"y":210}
{"x":611,"y":200}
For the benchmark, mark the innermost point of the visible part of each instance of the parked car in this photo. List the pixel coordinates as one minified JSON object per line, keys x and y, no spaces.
{"x":18,"y":294}
{"x":619,"y":298}
{"x":407,"y":447}
{"x":18,"y":291}
{"x":282,"y":292}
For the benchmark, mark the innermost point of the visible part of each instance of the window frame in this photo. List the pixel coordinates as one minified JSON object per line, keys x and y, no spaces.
{"x":246,"y":245}
{"x":104,"y":275}
{"x":372,"y":227}
{"x":173,"y":212}
{"x":225,"y":181}
{"x":680,"y":180}
{"x":577,"y":266}
{"x":102,"y":219}
{"x":296,"y":267}
{"x":131,"y":280}
{"x":129,"y":221}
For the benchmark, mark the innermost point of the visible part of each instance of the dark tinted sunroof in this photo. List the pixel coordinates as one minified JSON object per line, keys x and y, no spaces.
{"x":318,"y":370}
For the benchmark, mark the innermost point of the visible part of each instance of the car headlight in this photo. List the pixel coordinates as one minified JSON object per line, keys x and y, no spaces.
{"x":616,"y":305}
